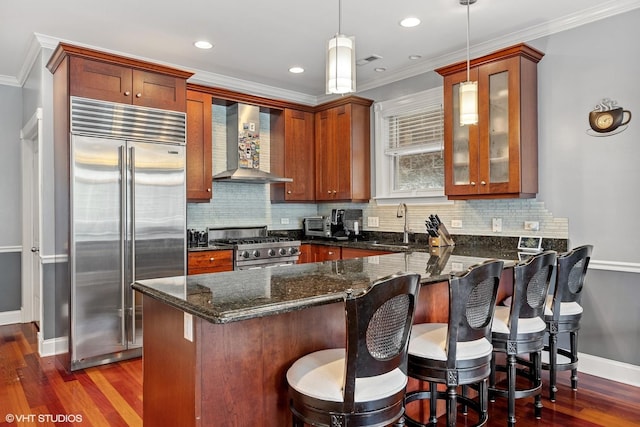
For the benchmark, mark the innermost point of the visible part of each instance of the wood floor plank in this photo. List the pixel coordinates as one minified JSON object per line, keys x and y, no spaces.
{"x":111,"y":395}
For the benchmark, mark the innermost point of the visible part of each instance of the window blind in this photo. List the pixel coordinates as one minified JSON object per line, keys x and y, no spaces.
{"x":418,"y":130}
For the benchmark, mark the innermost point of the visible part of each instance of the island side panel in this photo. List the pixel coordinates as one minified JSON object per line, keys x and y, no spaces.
{"x":169,"y":367}
{"x":244,"y":363}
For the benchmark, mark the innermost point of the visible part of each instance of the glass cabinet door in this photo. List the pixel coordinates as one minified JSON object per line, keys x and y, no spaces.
{"x":461,"y":150}
{"x":499,"y":127}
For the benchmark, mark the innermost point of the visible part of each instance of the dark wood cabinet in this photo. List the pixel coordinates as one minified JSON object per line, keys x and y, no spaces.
{"x":199,"y":134}
{"x":343,"y":150}
{"x":497,"y":157}
{"x":299,"y":161}
{"x":326,"y":253}
{"x":200,"y":262}
{"x":108,"y":81}
{"x":306,"y":254}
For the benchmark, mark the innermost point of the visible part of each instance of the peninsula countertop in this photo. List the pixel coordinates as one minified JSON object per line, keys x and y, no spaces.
{"x":239,"y":295}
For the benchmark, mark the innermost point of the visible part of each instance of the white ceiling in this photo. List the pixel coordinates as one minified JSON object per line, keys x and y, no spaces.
{"x":258,"y":41}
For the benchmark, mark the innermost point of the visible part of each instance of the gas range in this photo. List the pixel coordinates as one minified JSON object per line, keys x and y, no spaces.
{"x":253,"y":248}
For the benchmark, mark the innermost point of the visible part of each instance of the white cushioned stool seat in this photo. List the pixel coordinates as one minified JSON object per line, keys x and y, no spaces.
{"x":320,"y":375}
{"x":428,"y":340}
{"x":566,"y":308}
{"x":525,"y":326}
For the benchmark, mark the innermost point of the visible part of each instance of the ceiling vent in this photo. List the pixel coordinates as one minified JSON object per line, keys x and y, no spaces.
{"x":368,"y":59}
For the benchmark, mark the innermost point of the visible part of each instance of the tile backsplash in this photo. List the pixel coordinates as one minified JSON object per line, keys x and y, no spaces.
{"x":241,"y":204}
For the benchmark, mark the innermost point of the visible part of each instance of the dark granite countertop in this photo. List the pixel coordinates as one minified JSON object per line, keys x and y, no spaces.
{"x":239,"y":295}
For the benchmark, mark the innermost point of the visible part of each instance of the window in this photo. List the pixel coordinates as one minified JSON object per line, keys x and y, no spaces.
{"x":409,"y":145}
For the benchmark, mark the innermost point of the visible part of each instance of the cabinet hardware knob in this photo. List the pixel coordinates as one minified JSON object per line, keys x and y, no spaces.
{"x":473,"y":183}
{"x":208,"y":190}
{"x":138,"y":95}
{"x":212,"y":259}
{"x":289,"y":192}
{"x":330,"y":253}
{"x":334,"y":191}
{"x":483,"y":183}
{"x":127,"y":93}
{"x":329,"y":191}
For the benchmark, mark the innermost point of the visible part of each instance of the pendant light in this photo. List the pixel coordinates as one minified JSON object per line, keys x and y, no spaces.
{"x":468,"y":90}
{"x":341,"y":61}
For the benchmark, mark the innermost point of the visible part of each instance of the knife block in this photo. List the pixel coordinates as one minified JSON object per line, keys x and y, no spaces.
{"x":438,"y":242}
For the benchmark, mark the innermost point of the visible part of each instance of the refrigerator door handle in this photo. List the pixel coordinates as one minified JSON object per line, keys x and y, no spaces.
{"x":123,"y":240}
{"x":132,"y":159}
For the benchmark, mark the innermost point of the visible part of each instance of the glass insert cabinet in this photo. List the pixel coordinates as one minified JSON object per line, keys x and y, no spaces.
{"x":498,"y":156}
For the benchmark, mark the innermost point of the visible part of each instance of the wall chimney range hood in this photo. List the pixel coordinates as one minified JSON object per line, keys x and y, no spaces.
{"x":243,"y":147}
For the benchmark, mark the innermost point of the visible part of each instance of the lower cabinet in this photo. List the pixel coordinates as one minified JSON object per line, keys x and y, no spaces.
{"x":201,"y":262}
{"x":318,"y":253}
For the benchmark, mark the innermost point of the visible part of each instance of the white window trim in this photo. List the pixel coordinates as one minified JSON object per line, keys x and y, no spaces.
{"x":384,"y":194}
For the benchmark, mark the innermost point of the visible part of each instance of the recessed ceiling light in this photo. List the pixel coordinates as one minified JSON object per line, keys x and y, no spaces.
{"x":414,"y":57}
{"x":202,"y":44}
{"x":296,"y":70}
{"x":410,"y":22}
{"x":380,"y":69}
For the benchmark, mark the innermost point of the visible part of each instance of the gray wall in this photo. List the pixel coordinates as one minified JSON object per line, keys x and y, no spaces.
{"x":10,"y":194}
{"x":594,"y":181}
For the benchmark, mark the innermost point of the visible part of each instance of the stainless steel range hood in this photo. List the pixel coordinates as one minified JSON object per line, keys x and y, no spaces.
{"x":243,"y":147}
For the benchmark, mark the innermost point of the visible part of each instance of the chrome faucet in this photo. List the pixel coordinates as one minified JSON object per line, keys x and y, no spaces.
{"x":403,"y":212}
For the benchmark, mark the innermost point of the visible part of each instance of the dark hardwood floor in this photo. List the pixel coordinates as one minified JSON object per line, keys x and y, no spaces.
{"x":34,"y":391}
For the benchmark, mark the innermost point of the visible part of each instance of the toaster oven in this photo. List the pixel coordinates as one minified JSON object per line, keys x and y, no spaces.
{"x":317,"y":226}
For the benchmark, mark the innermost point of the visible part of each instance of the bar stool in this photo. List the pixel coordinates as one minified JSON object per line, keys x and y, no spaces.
{"x":562,"y":315}
{"x":363,"y":384}
{"x":457,"y":353}
{"x":520,"y":329}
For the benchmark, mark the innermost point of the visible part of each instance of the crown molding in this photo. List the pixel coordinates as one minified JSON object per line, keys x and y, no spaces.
{"x":596,"y":13}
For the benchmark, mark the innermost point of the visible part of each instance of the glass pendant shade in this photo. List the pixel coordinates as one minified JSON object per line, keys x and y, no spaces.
{"x":468,"y":103}
{"x":341,"y":65}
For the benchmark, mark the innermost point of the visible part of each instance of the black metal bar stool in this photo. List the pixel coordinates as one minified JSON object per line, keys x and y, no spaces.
{"x":363,"y":384}
{"x":519,"y":329}
{"x":562,"y":316}
{"x":457,"y":353}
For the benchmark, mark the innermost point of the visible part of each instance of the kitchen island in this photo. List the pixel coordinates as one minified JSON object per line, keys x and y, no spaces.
{"x":217,"y":346}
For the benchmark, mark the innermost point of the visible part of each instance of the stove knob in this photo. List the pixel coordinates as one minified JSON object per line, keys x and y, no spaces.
{"x":293,"y":251}
{"x":244,"y":254}
{"x":256,"y":254}
{"x":283,"y":251}
{"x":272,"y":252}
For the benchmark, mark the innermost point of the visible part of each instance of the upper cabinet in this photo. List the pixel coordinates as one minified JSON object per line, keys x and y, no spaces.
{"x":498,"y":157}
{"x":299,"y":155}
{"x":342,"y":150}
{"x":98,"y":75}
{"x":199,"y":134}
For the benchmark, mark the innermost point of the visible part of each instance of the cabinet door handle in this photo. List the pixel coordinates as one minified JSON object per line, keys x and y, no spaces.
{"x":127,"y":93}
{"x":138,"y":95}
{"x":483,"y":183}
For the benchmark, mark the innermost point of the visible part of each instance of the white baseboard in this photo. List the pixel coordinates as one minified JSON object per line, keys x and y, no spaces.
{"x":53,"y":346}
{"x":9,"y":317}
{"x":621,"y":372}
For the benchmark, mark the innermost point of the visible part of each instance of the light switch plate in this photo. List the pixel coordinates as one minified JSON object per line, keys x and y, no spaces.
{"x":456,"y":223}
{"x":188,"y":327}
{"x":373,"y":221}
{"x":497,"y":225}
{"x":531,"y":225}
{"x":284,"y":220}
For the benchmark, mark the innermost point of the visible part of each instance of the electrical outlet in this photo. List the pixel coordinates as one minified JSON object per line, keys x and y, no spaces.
{"x":284,"y":220}
{"x":188,"y":327}
{"x":497,"y":225}
{"x":456,"y":223}
{"x":373,"y":221}
{"x":531,"y":225}
{"x":457,"y":266}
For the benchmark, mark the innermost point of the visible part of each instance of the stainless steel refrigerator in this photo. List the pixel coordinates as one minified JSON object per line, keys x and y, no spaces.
{"x":128,"y":221}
